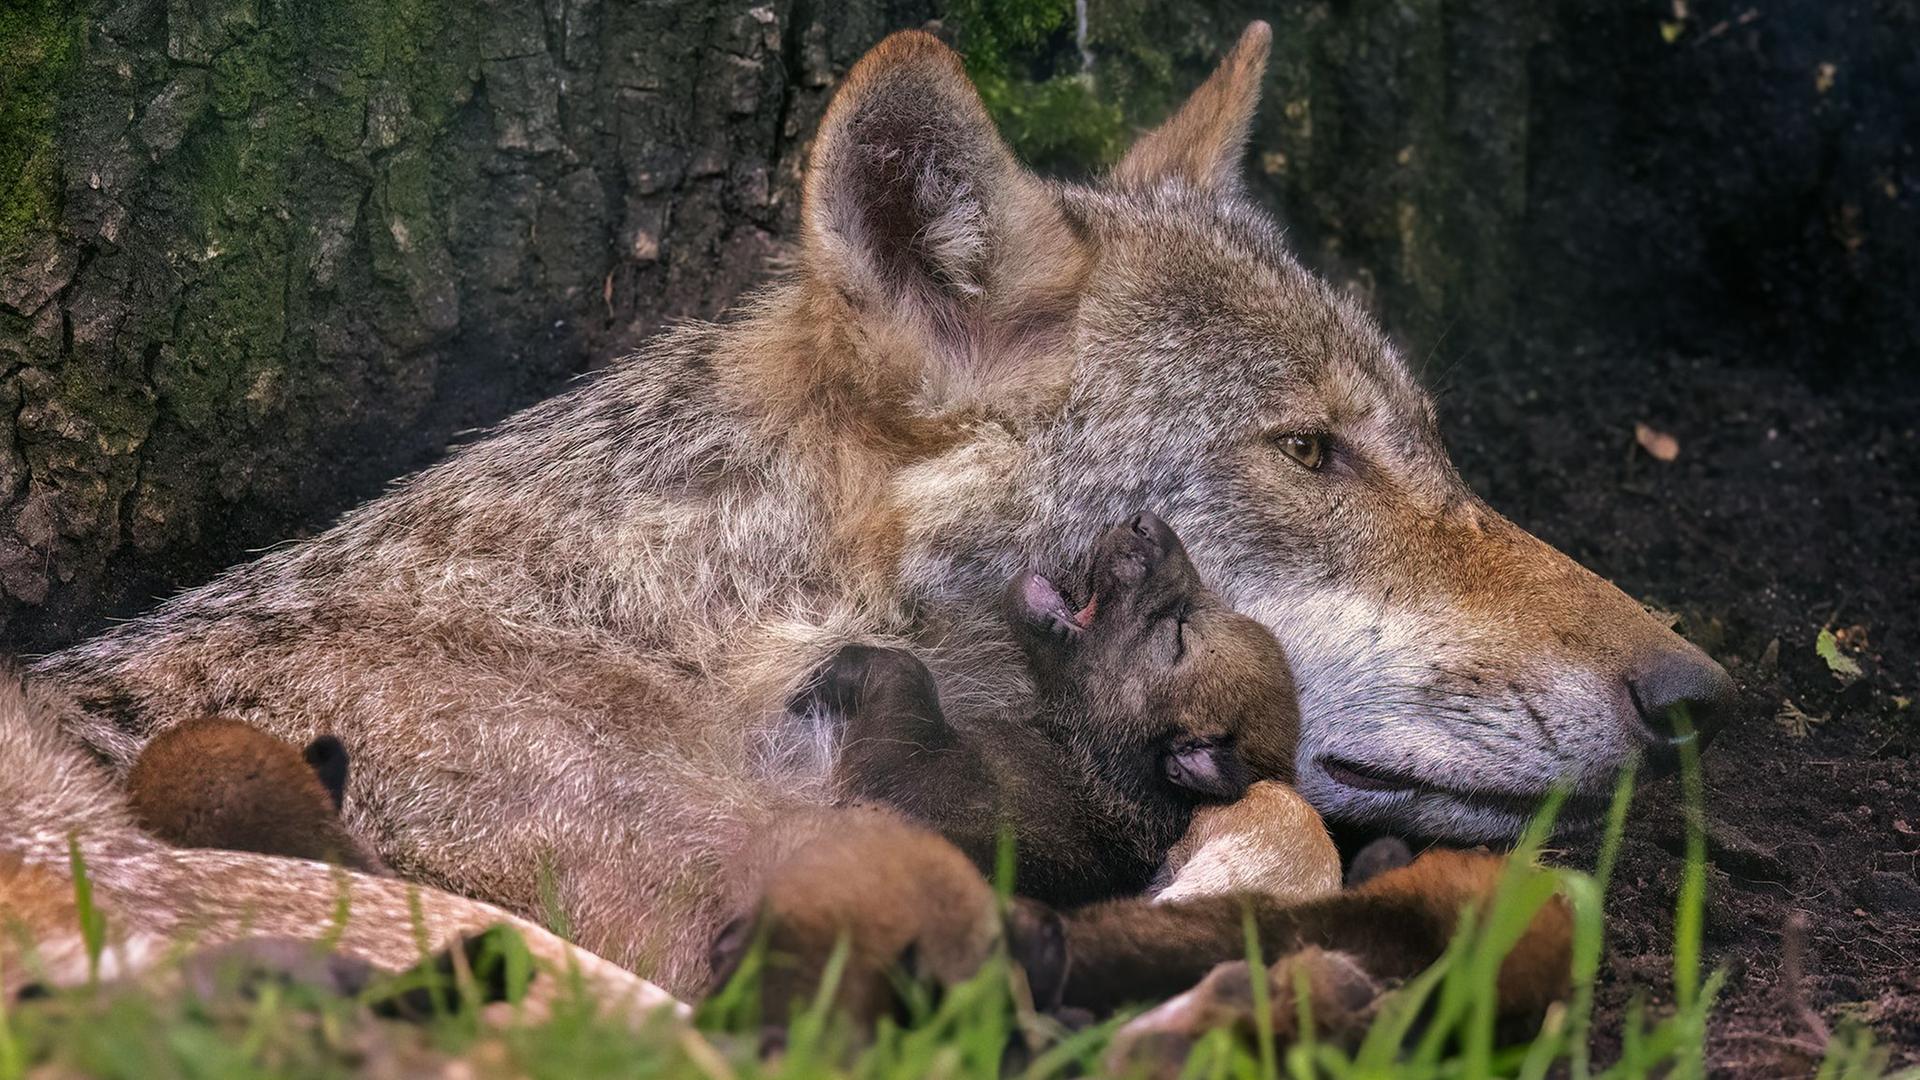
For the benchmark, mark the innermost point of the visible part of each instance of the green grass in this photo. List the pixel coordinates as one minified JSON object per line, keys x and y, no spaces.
{"x":1439,"y":1024}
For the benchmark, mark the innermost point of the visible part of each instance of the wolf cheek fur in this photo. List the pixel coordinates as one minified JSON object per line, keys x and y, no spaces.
{"x":561,"y":656}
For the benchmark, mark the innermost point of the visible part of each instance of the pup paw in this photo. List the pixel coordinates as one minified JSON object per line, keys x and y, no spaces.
{"x":1158,"y":1042}
{"x":904,"y":901}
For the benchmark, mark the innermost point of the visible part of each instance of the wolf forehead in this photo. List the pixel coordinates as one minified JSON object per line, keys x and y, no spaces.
{"x":1202,"y":335}
{"x":1196,"y":311}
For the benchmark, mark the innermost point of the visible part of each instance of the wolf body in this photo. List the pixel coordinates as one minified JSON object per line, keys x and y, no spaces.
{"x":156,"y":901}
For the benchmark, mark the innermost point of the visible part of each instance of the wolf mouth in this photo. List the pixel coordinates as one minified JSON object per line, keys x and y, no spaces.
{"x":1384,"y":780}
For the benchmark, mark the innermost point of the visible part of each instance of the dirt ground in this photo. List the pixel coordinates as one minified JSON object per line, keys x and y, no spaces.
{"x":1790,"y":507}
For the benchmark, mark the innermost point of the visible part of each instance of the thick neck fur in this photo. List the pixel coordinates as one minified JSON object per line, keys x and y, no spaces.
{"x":50,"y":793}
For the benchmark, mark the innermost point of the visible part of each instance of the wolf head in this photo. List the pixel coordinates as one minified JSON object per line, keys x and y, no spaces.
{"x":1147,"y":340}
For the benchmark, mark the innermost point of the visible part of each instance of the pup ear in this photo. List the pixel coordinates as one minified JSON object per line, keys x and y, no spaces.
{"x":1207,"y":767}
{"x":1203,"y":142}
{"x":1379,"y":856}
{"x":917,"y":213}
{"x":729,"y":950}
{"x":1039,"y":612}
{"x":328,"y":758}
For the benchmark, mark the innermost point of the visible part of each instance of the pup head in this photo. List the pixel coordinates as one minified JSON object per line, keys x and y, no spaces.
{"x":1150,"y":654}
{"x":906,"y":905}
{"x":222,"y":783}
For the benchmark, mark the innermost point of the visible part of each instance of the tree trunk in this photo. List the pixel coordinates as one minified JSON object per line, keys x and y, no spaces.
{"x":1499,"y":178}
{"x":264,"y":255}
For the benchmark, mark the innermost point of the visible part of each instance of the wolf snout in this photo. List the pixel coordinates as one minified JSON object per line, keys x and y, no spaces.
{"x":1675,"y":688}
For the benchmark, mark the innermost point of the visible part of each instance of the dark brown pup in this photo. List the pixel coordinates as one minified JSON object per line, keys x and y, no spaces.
{"x":221,"y":783}
{"x":1154,"y":698}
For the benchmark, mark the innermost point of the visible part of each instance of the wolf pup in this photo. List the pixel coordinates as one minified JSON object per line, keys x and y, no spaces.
{"x":884,"y":895}
{"x":1154,"y":698}
{"x":221,"y":783}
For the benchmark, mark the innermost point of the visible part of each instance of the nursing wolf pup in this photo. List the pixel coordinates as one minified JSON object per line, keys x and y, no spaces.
{"x":563,"y":655}
{"x":220,"y":783}
{"x":1153,"y":699}
{"x":157,"y":900}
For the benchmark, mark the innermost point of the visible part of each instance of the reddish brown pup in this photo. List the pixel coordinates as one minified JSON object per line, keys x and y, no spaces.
{"x":221,"y":783}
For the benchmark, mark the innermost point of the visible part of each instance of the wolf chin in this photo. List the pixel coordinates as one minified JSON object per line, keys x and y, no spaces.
{"x":561,"y":657}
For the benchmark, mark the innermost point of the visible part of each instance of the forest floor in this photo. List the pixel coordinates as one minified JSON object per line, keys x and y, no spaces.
{"x":1791,"y":508}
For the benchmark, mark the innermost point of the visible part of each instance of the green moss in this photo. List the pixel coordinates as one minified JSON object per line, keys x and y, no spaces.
{"x":1020,"y":54}
{"x":289,"y":111}
{"x":39,"y":42}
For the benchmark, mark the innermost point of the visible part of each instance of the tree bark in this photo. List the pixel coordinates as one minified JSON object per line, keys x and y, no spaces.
{"x":264,"y":255}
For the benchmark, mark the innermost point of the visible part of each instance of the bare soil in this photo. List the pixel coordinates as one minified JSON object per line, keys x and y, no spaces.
{"x":1791,"y":507}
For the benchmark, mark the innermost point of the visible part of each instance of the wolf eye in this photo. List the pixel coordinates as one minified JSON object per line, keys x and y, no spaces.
{"x":1308,"y":450}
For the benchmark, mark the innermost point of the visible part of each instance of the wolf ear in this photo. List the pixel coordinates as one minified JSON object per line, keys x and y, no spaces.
{"x":1206,"y":767}
{"x":1203,"y":142}
{"x":916,"y":211}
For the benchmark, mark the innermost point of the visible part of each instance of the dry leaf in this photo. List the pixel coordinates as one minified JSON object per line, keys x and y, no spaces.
{"x":1661,"y":445}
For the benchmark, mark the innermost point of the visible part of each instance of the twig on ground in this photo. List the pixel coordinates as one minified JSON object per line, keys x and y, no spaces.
{"x":1793,"y":944}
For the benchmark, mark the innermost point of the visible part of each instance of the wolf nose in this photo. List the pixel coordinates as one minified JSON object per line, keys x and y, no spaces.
{"x":1672,"y":681}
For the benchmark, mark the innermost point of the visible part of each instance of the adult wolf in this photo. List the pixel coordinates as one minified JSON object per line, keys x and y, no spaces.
{"x":565,"y":651}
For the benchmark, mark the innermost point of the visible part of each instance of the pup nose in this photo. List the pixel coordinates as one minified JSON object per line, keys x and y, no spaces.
{"x":1148,"y":525}
{"x":1672,"y":679}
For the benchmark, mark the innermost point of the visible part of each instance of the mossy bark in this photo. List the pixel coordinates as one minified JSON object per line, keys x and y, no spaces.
{"x":257,"y":257}
{"x":1499,"y":178}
